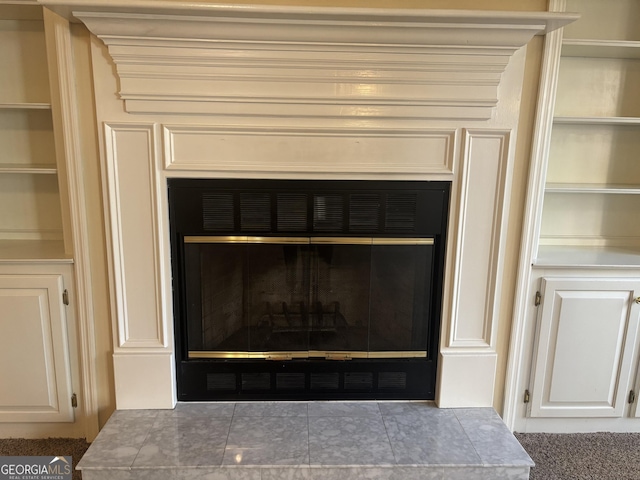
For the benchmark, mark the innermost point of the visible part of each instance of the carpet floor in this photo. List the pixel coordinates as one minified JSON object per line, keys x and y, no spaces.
{"x":60,"y":447}
{"x":586,"y":456}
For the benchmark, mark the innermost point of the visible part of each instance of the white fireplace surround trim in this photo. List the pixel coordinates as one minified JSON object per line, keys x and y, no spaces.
{"x":403,"y":109}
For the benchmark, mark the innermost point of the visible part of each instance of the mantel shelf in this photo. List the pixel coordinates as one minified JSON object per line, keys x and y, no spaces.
{"x":428,"y":64}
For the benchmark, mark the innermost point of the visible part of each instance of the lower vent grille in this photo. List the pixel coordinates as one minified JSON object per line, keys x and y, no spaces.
{"x":290,"y":381}
{"x":358,"y":380}
{"x":325,"y":381}
{"x":256,"y":381}
{"x":221,"y":381}
{"x":392,"y":380}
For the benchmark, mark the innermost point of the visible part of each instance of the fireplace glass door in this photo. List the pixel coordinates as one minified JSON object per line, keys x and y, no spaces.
{"x":287,"y":298}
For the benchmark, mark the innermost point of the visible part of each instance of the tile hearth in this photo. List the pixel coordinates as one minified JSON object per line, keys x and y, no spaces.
{"x":306,"y":441}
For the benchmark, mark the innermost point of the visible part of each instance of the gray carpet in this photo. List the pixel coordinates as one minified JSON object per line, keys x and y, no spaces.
{"x":593,"y":456}
{"x":589,"y":456}
{"x":61,"y":447}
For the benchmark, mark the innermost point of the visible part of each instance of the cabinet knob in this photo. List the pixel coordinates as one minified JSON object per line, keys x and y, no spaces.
{"x":637,"y":299}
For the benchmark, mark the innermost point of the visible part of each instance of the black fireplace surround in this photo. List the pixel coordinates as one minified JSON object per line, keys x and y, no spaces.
{"x":307,"y":289}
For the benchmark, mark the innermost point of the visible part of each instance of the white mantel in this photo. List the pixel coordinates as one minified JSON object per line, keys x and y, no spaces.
{"x":206,"y":90}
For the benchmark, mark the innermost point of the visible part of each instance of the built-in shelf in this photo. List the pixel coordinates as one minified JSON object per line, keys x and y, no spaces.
{"x":25,"y":106}
{"x":28,"y":169}
{"x":33,"y":251}
{"x":592,"y":188}
{"x":587,"y":256}
{"x":601,"y":48}
{"x":628,"y":121}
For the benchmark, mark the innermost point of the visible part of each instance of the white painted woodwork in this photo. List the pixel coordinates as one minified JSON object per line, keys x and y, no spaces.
{"x":131,"y":153}
{"x":35,"y":371}
{"x":71,"y":164}
{"x":255,"y":61}
{"x":41,"y":197}
{"x":308,"y":150}
{"x":29,"y":197}
{"x":305,"y":92}
{"x":584,"y":168}
{"x":586,"y":347}
{"x":480,"y":222}
{"x":26,"y":80}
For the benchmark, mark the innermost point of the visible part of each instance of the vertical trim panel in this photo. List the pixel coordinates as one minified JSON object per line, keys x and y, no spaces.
{"x":136,"y":244}
{"x":480,"y":236}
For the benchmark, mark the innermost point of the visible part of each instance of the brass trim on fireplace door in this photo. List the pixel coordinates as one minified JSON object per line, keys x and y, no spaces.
{"x":329,"y":355}
{"x":311,"y":240}
{"x":246,"y":239}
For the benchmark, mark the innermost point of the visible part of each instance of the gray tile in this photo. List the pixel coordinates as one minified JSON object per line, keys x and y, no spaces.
{"x":491,"y":438}
{"x":353,"y":473}
{"x":219,"y":473}
{"x":128,"y":474}
{"x":271,"y":409}
{"x":435,"y":438}
{"x":212,"y":409}
{"x":118,"y":443}
{"x":403,"y":408}
{"x":486,"y":473}
{"x":343,"y":409}
{"x":349,"y":441}
{"x":267,"y":441}
{"x":175,"y":474}
{"x":184,"y":441}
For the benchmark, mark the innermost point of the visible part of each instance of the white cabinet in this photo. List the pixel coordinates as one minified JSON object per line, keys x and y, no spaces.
{"x":586,"y":347}
{"x":35,"y":363}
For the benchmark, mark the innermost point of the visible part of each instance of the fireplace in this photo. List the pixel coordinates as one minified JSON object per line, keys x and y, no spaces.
{"x":307,"y":289}
{"x":214,"y":91}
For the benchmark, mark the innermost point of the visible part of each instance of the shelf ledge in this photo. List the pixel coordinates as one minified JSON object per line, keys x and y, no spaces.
{"x":591,"y":48}
{"x":587,"y":257}
{"x":624,"y":121}
{"x":25,"y":106}
{"x":592,"y":188}
{"x":28,"y":169}
{"x":28,"y":251}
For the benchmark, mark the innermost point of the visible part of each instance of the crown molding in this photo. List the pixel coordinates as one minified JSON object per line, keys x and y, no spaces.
{"x":215,"y":59}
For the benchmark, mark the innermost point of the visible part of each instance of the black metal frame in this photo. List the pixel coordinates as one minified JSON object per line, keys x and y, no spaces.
{"x":226,"y":379}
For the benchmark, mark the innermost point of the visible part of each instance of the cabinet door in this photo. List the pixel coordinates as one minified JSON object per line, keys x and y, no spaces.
{"x":585,"y":347}
{"x":35,"y":374}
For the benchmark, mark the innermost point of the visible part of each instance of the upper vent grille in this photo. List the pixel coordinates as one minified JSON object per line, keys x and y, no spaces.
{"x":400,"y":212}
{"x":292,"y":212}
{"x":217,"y":212}
{"x":255,"y":212}
{"x":328,"y":213}
{"x":364,"y":212}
